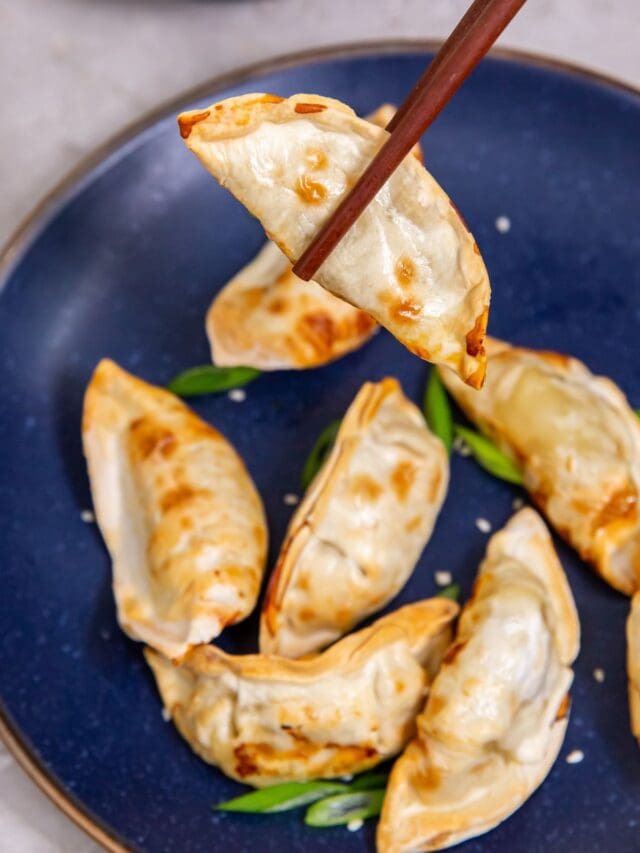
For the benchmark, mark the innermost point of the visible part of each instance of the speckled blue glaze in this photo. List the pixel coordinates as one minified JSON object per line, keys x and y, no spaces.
{"x":126,"y":265}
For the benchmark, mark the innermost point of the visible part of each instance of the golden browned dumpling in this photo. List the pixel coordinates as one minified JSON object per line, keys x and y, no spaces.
{"x":178,"y":511}
{"x":357,"y":535}
{"x":633,"y":664}
{"x":496,"y":714}
{"x":578,"y":443}
{"x":267,"y":318}
{"x":408,"y":260}
{"x":264,"y":719}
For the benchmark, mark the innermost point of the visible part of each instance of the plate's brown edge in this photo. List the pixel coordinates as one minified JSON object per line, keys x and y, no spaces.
{"x":14,"y":742}
{"x":56,"y":793}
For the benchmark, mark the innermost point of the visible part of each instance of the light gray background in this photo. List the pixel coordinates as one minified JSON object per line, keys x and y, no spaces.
{"x":74,"y":72}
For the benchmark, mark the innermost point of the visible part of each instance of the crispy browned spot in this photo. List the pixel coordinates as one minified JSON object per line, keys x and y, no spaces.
{"x":476,"y":248}
{"x":303,"y":108}
{"x":405,"y":271}
{"x":270,"y":99}
{"x":132,"y":611}
{"x":186,"y":523}
{"x":439,"y":841}
{"x":252,"y":297}
{"x":563,"y":710}
{"x":475,"y":338}
{"x":259,"y":535}
{"x":434,"y":486}
{"x":363,"y":322}
{"x":306,"y":614}
{"x":436,"y":703}
{"x":402,"y":478}
{"x":623,"y":504}
{"x":277,"y":305}
{"x":365,"y":487}
{"x":245,"y":761}
{"x":344,"y":617}
{"x":429,"y":779}
{"x":310,"y":191}
{"x":413,"y":524}
{"x":453,"y":652}
{"x":176,"y":496}
{"x":400,"y":310}
{"x":303,"y":582}
{"x":316,"y":159}
{"x":405,"y":311}
{"x":399,"y":686}
{"x":421,"y":352}
{"x":476,"y":379}
{"x":270,"y":605}
{"x":284,"y":277}
{"x":319,"y":330}
{"x":147,"y":437}
{"x":555,"y":358}
{"x":186,"y":122}
{"x":255,"y":758}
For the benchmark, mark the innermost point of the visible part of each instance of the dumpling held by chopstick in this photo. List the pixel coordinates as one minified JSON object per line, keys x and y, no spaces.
{"x":268,"y":318}
{"x":408,"y":260}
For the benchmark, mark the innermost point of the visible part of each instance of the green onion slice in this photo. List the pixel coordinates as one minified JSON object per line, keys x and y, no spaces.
{"x":369,"y":781}
{"x":343,"y":808}
{"x":437,"y":409}
{"x":209,"y":379}
{"x":281,"y":798}
{"x":452,"y":591}
{"x":489,"y":457}
{"x":321,"y":448}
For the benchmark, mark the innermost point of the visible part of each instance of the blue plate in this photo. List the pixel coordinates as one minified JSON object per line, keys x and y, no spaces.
{"x":124,"y":263}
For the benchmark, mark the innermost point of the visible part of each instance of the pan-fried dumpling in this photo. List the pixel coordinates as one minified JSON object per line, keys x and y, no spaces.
{"x":264,"y":719}
{"x":357,"y":535}
{"x":496,"y":714}
{"x":408,"y":260}
{"x":178,"y":511}
{"x":578,"y":443}
{"x":267,"y":318}
{"x":633,"y":664}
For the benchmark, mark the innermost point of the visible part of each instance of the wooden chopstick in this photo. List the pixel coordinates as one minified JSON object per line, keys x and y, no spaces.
{"x":459,"y":55}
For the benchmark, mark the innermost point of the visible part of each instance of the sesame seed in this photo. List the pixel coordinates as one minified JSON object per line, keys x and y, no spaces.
{"x":598,"y":674}
{"x":503,"y":224}
{"x":483,"y":525}
{"x":237,"y":395}
{"x":517,"y":503}
{"x":166,"y":715}
{"x":443,"y":578}
{"x":460,"y":447}
{"x":355,"y":825}
{"x":290,"y":499}
{"x":575,"y":757}
{"x":348,"y":777}
{"x":87,"y":516}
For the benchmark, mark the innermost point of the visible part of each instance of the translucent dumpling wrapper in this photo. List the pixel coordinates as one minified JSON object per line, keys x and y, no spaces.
{"x":355,"y":539}
{"x":267,"y":318}
{"x":408,"y":261}
{"x":178,"y":511}
{"x":633,"y":664}
{"x":578,"y":443}
{"x":264,"y":719}
{"x":496,"y":714}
